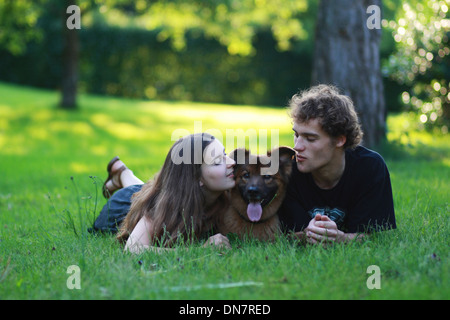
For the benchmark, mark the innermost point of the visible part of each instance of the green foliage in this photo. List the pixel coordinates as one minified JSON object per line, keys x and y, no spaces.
{"x":422,"y":59}
{"x":44,"y":214}
{"x":232,"y":23}
{"x":132,"y":62}
{"x":260,"y":51}
{"x":18,"y":19}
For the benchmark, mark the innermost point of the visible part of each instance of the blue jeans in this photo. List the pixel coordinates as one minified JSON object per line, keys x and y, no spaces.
{"x":115,"y":210}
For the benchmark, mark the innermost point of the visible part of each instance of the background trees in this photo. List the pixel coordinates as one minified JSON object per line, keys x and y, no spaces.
{"x":347,"y":54}
{"x":244,"y":52}
{"x":421,"y":61}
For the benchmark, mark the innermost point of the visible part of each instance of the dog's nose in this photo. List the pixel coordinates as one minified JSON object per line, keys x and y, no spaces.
{"x":253,"y":191}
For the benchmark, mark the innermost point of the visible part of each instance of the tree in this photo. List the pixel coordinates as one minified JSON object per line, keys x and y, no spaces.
{"x":19,"y":26}
{"x":70,"y":61}
{"x":347,"y":55}
{"x":234,"y":23}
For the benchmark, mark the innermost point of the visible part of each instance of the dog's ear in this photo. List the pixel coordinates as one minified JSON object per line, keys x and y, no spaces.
{"x":239,"y":155}
{"x":286,"y":155}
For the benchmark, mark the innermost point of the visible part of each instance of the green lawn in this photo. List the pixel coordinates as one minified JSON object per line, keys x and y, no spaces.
{"x":44,"y":214}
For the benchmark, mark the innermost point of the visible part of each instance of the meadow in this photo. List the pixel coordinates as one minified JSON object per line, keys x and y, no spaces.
{"x":53,"y":163}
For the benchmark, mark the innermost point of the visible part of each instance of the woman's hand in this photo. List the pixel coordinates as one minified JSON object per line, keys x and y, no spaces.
{"x":218,"y":240}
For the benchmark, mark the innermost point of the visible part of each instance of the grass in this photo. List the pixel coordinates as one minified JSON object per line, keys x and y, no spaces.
{"x":44,"y":213}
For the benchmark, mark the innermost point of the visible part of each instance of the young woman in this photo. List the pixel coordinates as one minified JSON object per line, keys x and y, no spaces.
{"x":182,"y":201}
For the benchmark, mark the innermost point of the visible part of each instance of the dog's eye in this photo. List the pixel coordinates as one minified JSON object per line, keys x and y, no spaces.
{"x":246,"y":175}
{"x":267,"y":177}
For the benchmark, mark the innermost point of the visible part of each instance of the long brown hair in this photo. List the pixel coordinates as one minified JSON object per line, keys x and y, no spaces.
{"x":173,"y":200}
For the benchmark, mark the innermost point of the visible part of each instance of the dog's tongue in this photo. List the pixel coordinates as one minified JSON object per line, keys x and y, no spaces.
{"x":254,"y":211}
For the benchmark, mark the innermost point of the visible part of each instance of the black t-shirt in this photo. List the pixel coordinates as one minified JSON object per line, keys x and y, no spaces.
{"x":360,"y":202}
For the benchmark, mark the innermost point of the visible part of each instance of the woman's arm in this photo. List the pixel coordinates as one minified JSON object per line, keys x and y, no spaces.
{"x":139,"y":239}
{"x":139,"y":248}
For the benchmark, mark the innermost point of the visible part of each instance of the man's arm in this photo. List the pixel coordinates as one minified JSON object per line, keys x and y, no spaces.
{"x":322,"y":229}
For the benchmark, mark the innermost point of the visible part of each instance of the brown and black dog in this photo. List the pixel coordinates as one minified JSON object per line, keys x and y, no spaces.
{"x":259,"y":192}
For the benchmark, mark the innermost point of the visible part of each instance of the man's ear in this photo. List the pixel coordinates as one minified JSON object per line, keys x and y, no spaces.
{"x":340,"y":141}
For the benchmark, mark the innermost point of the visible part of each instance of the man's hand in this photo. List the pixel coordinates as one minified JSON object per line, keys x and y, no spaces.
{"x":322,"y":229}
{"x":218,"y":240}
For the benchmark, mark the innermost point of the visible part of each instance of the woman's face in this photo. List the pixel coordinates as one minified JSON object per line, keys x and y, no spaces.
{"x":217,"y":168}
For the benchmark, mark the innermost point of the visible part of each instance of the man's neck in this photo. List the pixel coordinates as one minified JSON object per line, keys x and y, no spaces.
{"x":328,"y":177}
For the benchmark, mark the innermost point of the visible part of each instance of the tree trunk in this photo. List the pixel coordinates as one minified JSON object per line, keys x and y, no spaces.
{"x":347,"y":55}
{"x":70,"y":64}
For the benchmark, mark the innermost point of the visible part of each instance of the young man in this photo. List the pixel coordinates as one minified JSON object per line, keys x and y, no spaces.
{"x":338,"y":190}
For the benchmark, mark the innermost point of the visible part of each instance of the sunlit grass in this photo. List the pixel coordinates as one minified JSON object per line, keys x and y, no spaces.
{"x":115,"y":121}
{"x":42,"y":147}
{"x":406,"y":129}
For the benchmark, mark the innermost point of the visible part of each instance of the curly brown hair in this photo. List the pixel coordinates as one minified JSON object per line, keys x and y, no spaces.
{"x":336,"y":112}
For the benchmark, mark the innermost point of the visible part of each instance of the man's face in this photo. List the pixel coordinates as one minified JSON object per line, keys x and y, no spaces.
{"x":315,"y":148}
